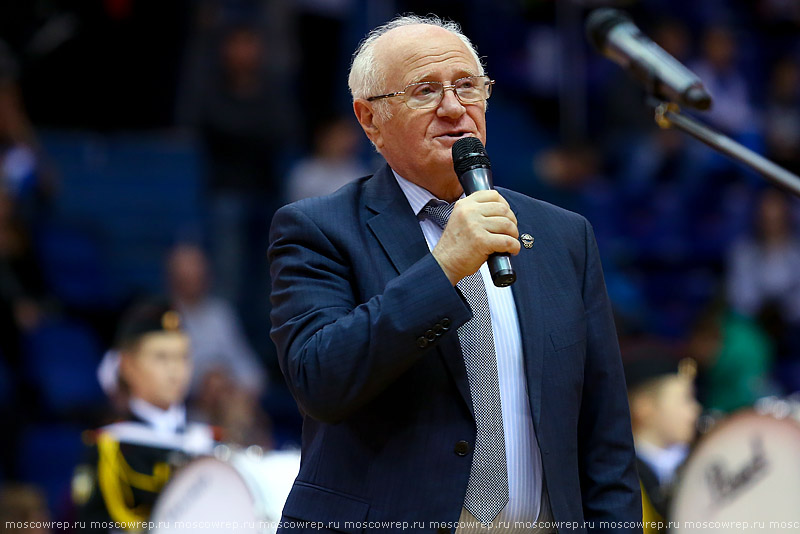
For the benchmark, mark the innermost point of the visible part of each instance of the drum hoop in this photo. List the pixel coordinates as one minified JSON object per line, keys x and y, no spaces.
{"x":703,"y":443}
{"x":747,"y":413}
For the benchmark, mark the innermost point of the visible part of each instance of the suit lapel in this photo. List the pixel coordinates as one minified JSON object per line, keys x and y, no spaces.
{"x":394,"y":224}
{"x":527,"y":297}
{"x":397,"y":230}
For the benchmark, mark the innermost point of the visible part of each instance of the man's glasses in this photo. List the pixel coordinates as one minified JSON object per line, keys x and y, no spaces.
{"x":425,"y":95}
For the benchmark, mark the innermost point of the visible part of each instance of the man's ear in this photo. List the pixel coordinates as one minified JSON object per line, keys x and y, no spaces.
{"x":367,"y":119}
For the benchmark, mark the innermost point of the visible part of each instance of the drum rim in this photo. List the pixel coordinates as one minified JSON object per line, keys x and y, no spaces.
{"x":702,"y":444}
{"x":193,"y":465}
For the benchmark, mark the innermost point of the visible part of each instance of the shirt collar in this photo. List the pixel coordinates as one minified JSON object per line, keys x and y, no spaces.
{"x":170,"y":420}
{"x":416,"y":195}
{"x":663,"y":461}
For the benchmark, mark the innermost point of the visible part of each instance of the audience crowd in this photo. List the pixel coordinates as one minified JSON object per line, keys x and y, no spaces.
{"x":702,"y":256}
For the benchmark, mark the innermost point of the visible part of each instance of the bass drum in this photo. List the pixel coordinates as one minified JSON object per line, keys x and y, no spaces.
{"x":745,"y":474}
{"x":234,"y":491}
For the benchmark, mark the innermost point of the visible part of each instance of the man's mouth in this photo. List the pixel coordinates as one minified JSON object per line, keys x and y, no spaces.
{"x":456,"y":135}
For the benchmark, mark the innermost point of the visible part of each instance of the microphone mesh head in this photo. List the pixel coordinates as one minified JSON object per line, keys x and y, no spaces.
{"x":599,"y":23}
{"x":468,"y":153}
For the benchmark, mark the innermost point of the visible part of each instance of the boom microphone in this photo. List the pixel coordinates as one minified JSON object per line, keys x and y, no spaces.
{"x":474,"y":171}
{"x":615,"y":36}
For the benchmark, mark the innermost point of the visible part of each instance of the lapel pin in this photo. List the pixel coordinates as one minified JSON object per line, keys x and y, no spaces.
{"x":527,"y":240}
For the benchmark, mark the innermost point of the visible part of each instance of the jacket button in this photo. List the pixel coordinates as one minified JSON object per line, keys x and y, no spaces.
{"x":442,"y":530}
{"x":422,"y":342}
{"x":430,"y":335}
{"x":461,"y":448}
{"x":437,"y":329}
{"x":445,"y":323}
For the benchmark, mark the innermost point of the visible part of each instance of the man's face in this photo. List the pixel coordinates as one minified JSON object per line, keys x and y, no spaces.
{"x":160,"y":370}
{"x":676,"y":410}
{"x":417,"y":143}
{"x":188,"y":274}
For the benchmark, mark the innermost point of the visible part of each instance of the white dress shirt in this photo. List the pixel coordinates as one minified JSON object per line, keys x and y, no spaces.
{"x":165,"y":429}
{"x":523,"y":458}
{"x":169,"y":421}
{"x":663,"y":461}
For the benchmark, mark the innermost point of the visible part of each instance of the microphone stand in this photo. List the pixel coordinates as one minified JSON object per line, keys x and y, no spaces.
{"x":668,"y":115}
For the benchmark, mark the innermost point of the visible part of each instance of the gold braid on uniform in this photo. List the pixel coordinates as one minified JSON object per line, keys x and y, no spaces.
{"x":649,"y":514}
{"x":117,"y":480}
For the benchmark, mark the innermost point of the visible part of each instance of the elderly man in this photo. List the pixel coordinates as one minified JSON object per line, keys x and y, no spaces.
{"x":434,"y":401}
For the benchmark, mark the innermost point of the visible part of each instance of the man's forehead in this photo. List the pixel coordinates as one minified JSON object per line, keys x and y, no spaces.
{"x":400,"y":46}
{"x":412,"y":31}
{"x":404,"y":37}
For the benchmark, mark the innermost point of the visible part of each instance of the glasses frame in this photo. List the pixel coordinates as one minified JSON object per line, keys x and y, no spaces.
{"x":445,"y":87}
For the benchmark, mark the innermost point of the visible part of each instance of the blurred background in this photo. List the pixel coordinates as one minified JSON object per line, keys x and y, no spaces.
{"x":145,"y":145}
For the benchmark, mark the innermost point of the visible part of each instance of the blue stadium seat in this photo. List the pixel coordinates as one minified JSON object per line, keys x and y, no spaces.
{"x":48,"y":455}
{"x":140,"y":192}
{"x":73,"y":265}
{"x":61,"y":360}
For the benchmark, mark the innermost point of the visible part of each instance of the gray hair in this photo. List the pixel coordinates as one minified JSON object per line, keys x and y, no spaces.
{"x":367,"y":77}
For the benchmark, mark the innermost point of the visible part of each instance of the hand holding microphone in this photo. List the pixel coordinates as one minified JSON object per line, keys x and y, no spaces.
{"x":482,"y":226}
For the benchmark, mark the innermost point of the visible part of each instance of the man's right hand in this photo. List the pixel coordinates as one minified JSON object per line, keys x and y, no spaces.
{"x":481,"y":224}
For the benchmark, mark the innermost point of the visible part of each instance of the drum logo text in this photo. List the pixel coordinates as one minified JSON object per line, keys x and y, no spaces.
{"x":725,"y":484}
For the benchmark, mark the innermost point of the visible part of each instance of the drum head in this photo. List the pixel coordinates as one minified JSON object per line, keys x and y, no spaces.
{"x":207,"y":491}
{"x":747,"y":470}
{"x":243,"y":494}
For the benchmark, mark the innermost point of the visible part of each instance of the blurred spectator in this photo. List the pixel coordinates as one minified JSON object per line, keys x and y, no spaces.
{"x":22,"y":173}
{"x":763,"y":281}
{"x":21,"y":298}
{"x":333,"y":163}
{"x":660,"y":178}
{"x":763,"y":266}
{"x":782,"y":114}
{"x":720,"y":72}
{"x":228,"y":380}
{"x":222,"y":403}
{"x":23,"y":504}
{"x":664,"y":413}
{"x":131,"y":461}
{"x":241,"y":113}
{"x":735,"y":358}
{"x":21,"y":288}
{"x":740,"y":374}
{"x":540,"y":72}
{"x":218,"y":343}
{"x":568,"y":174}
{"x":780,"y":12}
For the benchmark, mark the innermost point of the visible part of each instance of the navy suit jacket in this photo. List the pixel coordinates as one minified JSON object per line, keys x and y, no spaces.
{"x":356,"y":297}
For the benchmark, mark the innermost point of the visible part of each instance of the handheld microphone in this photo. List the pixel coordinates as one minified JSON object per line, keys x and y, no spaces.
{"x":474,"y":171}
{"x":615,"y":36}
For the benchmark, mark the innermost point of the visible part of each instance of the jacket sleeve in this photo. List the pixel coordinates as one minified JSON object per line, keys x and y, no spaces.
{"x":335,"y":352}
{"x":609,"y":483}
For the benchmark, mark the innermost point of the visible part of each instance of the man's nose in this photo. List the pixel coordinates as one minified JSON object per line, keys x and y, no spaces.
{"x":450,"y":106}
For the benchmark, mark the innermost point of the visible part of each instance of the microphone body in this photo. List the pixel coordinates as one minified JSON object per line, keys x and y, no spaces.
{"x":615,"y":36}
{"x":474,"y":171}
